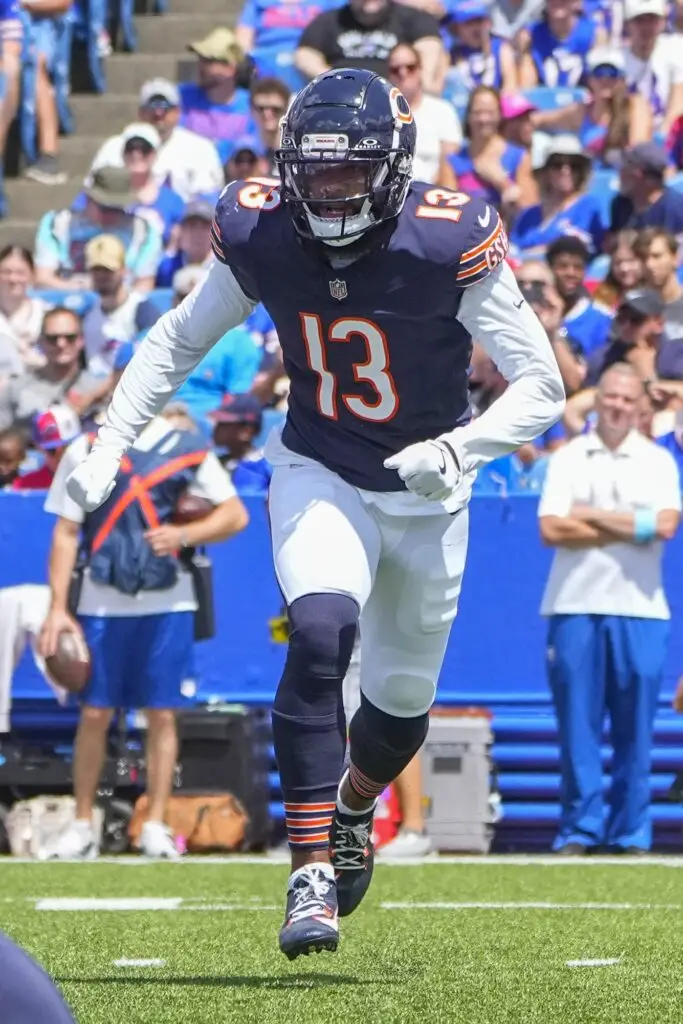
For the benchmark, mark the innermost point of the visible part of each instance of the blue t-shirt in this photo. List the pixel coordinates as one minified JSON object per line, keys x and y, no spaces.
{"x":472,"y":67}
{"x":278,"y":25}
{"x":665,"y":212}
{"x":592,"y":137}
{"x":532,"y":235}
{"x":470,"y":182}
{"x":670,"y":442}
{"x":252,"y":475}
{"x":223,"y":123}
{"x":165,"y":212}
{"x":228,"y":368}
{"x":589,"y":323}
{"x":561,"y":62}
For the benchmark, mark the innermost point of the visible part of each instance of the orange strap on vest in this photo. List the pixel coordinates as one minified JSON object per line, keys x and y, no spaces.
{"x":138,"y":490}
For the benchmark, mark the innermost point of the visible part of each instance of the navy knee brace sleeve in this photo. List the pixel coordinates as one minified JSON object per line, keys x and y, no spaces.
{"x":309,"y":731}
{"x":381,"y":746}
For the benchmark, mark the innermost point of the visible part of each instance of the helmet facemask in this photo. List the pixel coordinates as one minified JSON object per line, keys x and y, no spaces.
{"x":338,"y":193}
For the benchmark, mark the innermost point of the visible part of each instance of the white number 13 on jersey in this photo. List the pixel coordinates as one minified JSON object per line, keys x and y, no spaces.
{"x":374,"y":371}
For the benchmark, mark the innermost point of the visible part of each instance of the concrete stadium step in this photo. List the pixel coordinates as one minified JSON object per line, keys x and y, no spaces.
{"x":174,"y":32}
{"x":101,"y":116}
{"x":226,"y":10}
{"x":18,"y":232}
{"x":30,"y":199}
{"x":76,"y":153}
{"x":126,"y":72}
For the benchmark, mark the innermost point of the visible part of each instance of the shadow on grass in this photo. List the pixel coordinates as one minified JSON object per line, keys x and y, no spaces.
{"x":300,"y":981}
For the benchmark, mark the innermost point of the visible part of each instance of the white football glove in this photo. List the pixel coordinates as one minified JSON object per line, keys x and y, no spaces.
{"x":429,"y":468}
{"x":93,"y":480}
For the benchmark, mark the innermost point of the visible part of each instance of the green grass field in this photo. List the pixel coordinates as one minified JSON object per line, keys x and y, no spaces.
{"x":434,"y":943}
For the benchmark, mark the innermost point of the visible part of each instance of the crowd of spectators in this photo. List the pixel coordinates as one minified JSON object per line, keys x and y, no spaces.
{"x":567,"y":117}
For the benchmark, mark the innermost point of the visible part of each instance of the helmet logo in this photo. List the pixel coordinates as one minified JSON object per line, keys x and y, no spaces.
{"x":400,"y":108}
{"x":325,"y":146}
{"x":368,"y":144}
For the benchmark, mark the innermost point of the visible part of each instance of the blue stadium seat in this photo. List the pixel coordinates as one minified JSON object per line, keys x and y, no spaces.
{"x":162,"y":298}
{"x":456,"y":92}
{"x":604,"y":185}
{"x":598,"y":269}
{"x":79,"y":301}
{"x":279,"y":63}
{"x":545,"y":98}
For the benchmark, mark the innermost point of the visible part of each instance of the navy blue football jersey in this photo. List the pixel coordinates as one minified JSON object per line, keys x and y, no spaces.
{"x":27,"y":995}
{"x":375,"y":355}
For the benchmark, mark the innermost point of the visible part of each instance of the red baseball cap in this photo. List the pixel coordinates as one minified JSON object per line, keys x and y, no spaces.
{"x":55,"y":428}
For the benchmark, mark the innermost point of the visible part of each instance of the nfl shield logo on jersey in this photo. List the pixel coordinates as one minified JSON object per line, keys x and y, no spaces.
{"x":338,"y":290}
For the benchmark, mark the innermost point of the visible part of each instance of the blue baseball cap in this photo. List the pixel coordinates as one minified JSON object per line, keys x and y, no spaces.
{"x":250,"y":143}
{"x":238,"y":409}
{"x":470,"y":10}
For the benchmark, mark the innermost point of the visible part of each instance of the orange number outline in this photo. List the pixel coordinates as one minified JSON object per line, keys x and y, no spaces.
{"x":442,"y":204}
{"x":374,"y":371}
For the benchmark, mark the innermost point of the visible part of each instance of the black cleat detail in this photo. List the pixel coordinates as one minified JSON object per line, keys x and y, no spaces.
{"x":311,"y":919}
{"x":352,"y":856}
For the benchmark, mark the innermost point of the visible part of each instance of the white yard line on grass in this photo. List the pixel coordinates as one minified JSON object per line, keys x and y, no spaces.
{"x":518,"y":905}
{"x":277,"y":860}
{"x":139,"y":963}
{"x":143,"y":904}
{"x":596,"y":963}
{"x":69,"y":903}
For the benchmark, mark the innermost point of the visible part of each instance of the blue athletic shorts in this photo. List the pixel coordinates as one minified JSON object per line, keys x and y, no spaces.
{"x":138,"y":662}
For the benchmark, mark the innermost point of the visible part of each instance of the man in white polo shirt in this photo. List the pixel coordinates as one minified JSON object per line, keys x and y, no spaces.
{"x":610,"y":498}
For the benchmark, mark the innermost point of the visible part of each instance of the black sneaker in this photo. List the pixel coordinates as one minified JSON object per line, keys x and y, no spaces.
{"x":352,"y":856}
{"x":311,"y":920}
{"x":46,"y":171}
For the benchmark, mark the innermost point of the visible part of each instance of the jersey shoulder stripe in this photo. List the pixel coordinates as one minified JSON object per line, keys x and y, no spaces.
{"x":487,"y":247}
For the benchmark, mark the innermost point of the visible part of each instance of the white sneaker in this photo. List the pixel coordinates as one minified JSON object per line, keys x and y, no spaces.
{"x":156,"y":841}
{"x":408,"y":843}
{"x":77,"y":842}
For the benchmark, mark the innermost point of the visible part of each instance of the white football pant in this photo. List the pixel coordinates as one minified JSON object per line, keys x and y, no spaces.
{"x":405,"y":572}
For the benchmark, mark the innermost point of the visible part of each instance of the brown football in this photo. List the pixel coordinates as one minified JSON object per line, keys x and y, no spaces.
{"x":70,"y":665}
{"x":190,"y":508}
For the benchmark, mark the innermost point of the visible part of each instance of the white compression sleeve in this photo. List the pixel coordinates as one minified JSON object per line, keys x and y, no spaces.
{"x":498,"y":317}
{"x":174,"y":346}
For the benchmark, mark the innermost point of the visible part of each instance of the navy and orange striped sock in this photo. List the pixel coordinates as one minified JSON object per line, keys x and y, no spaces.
{"x":308,"y":825}
{"x":365,"y":787}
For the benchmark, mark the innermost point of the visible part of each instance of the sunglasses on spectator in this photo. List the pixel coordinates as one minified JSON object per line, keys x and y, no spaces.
{"x":54,"y":339}
{"x":138,"y":146}
{"x":273,"y":108}
{"x":396,"y":69}
{"x":557,"y":162}
{"x":159,"y":104}
{"x":606,"y":71}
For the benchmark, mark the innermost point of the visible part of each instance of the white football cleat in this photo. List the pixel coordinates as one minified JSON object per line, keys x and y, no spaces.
{"x":408,"y":843}
{"x":156,"y":841}
{"x":77,"y":842}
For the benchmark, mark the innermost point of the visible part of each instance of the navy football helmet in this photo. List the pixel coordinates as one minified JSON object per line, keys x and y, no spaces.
{"x":346,"y":155}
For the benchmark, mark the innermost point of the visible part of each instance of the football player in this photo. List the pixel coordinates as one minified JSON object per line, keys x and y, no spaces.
{"x":27,"y":994}
{"x":376,"y":286}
